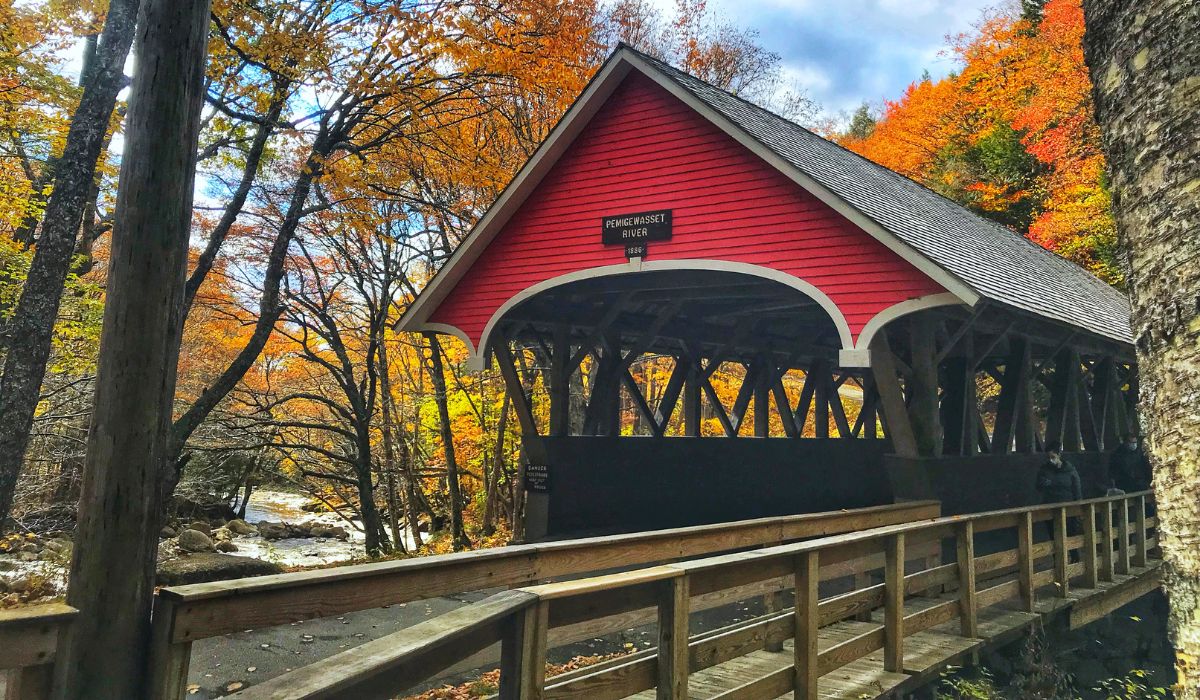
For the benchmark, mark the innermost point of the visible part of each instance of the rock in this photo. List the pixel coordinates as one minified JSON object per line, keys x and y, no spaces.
{"x":206,"y":507}
{"x":27,"y":556}
{"x":321,"y":531}
{"x":59,"y":545}
{"x":240,"y":527}
{"x":7,"y":564}
{"x":273,"y":531}
{"x":167,"y":533}
{"x":340,"y":533}
{"x":226,"y":546}
{"x":1089,"y":672}
{"x":31,"y":547}
{"x":200,"y":526}
{"x":195,"y":541}
{"x":199,"y":568}
{"x":20,"y":584}
{"x":222,"y":534}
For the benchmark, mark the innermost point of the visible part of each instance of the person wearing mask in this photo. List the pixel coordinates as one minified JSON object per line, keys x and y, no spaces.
{"x":1057,"y":480}
{"x":1128,"y":467}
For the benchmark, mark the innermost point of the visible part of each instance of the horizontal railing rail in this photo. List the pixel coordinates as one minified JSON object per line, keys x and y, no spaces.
{"x":1115,"y":537}
{"x":29,"y":639}
{"x":185,"y":614}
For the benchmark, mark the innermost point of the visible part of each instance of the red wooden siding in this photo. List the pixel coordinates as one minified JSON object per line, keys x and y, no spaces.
{"x":647,"y":150}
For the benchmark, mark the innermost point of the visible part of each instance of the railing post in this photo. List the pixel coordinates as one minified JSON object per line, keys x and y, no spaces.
{"x":673,"y":606}
{"x":1106,"y":549}
{"x":893,"y":604}
{"x":1141,"y":554}
{"x":169,"y":660}
{"x":1123,"y":537}
{"x":1061,"y":581}
{"x":1090,"y":577}
{"x":1025,"y":557}
{"x":523,"y":653}
{"x":773,"y":603}
{"x":807,"y":619}
{"x":965,"y":540}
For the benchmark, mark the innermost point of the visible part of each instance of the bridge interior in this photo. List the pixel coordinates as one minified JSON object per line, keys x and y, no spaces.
{"x":618,"y":376}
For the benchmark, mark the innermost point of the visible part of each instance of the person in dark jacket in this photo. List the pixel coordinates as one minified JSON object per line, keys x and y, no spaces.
{"x":1128,"y":467}
{"x":1057,"y":480}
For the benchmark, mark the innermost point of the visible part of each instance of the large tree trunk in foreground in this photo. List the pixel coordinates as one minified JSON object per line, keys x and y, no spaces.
{"x":32,"y":326}
{"x":1144,"y":59}
{"x":112,"y":570}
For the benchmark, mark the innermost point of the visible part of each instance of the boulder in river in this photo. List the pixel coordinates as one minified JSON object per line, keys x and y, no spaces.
{"x":212,"y":566}
{"x":240,"y":527}
{"x":200,"y":526}
{"x":226,"y":546}
{"x":167,"y":533}
{"x":274,"y":531}
{"x":201,"y":507}
{"x":195,"y":541}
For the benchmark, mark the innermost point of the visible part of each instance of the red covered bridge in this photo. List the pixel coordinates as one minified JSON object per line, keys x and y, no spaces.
{"x":665,"y":218}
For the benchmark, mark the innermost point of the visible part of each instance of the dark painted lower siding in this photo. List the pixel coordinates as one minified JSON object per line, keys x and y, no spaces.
{"x":609,"y":485}
{"x":988,"y":482}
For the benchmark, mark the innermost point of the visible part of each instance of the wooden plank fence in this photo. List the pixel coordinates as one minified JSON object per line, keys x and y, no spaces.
{"x":887,"y":624}
{"x":28,"y":641}
{"x":185,"y":614}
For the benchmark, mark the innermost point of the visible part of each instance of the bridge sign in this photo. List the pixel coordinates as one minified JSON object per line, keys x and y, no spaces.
{"x":644,"y":226}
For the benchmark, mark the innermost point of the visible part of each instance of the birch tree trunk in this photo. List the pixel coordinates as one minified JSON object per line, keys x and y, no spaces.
{"x":1144,"y":59}
{"x":103,"y":656}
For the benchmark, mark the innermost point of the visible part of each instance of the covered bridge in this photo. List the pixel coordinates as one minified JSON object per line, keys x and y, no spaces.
{"x":889,"y":343}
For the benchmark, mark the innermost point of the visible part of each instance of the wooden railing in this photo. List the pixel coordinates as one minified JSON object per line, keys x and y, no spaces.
{"x":522,"y":620}
{"x":28,"y":642}
{"x":185,"y":614}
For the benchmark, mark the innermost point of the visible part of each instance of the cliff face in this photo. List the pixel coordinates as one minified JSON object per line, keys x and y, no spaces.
{"x":1144,"y":58}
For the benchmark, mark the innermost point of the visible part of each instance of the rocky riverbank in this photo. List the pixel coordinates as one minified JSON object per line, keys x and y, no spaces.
{"x":280,"y":531}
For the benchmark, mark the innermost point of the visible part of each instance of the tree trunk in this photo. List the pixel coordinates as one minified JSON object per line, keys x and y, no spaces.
{"x":1144,"y":58}
{"x":389,"y":450}
{"x":493,"y":484}
{"x":32,"y":323}
{"x":438,"y":377}
{"x":376,"y":540}
{"x":112,"y":568}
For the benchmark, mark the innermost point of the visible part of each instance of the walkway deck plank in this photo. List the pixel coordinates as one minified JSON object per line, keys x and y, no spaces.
{"x":926,"y":653}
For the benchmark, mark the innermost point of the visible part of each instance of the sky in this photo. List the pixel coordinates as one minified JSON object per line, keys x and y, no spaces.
{"x":847,"y":51}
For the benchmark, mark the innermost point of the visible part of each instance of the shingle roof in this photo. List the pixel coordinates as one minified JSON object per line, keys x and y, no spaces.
{"x":997,"y":263}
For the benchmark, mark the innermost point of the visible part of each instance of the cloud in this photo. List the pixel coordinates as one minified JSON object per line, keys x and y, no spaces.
{"x":848,"y":51}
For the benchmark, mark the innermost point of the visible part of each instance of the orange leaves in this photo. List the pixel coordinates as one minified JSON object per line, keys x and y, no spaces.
{"x":1011,"y":134}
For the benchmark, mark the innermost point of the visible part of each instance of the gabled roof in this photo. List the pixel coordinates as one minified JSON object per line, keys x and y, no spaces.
{"x":974,"y":258}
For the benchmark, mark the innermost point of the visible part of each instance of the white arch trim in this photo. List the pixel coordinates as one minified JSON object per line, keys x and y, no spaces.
{"x":860,"y":355}
{"x":476,"y":360}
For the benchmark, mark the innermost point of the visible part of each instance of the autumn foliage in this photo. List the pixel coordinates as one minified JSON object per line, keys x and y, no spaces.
{"x":1010,"y":134}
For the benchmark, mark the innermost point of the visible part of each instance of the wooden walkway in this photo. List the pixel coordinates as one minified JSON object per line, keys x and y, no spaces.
{"x":926,"y":653}
{"x":863,"y":614}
